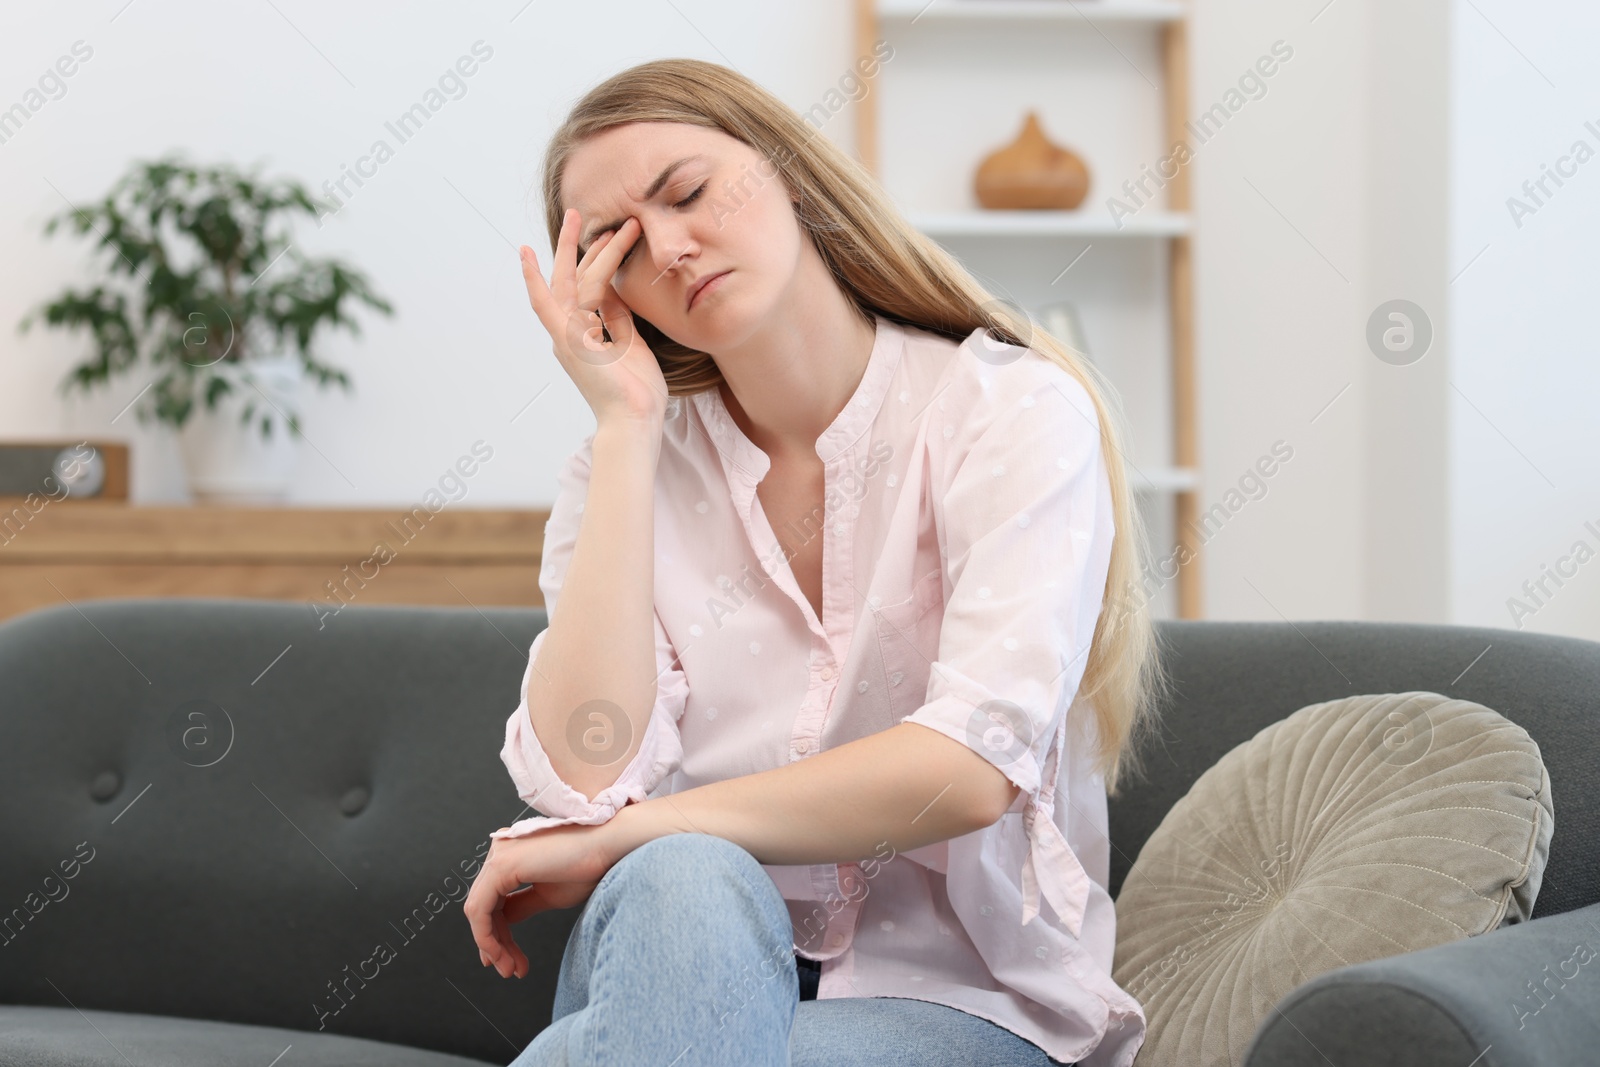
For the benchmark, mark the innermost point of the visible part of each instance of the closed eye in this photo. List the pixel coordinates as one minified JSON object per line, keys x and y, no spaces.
{"x":685,"y":202}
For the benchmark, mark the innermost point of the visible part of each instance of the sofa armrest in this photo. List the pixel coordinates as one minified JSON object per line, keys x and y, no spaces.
{"x":1525,"y":994}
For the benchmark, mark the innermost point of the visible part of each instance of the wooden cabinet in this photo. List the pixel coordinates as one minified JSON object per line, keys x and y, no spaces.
{"x":327,"y":558}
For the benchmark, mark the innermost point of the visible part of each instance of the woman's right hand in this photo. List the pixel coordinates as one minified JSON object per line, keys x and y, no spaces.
{"x":619,"y":378}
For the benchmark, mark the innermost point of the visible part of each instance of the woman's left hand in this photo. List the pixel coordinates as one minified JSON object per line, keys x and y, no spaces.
{"x":558,"y":868}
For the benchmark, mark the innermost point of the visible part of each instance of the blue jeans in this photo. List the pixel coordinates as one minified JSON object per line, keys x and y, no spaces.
{"x":684,"y":956}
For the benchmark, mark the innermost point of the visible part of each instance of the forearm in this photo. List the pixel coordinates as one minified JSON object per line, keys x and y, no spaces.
{"x":601,"y":643}
{"x":907,"y":785}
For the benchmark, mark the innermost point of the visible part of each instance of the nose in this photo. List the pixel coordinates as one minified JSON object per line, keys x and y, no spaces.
{"x":670,"y":242}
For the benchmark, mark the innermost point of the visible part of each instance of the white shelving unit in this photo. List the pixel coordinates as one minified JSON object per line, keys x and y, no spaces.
{"x":992,"y":59}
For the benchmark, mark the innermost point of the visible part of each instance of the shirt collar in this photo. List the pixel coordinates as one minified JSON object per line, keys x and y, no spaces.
{"x":858,"y":413}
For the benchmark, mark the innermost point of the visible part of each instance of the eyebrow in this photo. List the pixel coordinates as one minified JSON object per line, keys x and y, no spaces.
{"x":655,"y":187}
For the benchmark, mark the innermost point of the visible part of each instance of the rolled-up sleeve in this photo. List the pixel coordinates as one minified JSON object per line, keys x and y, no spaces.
{"x":660,"y":751}
{"x":1028,"y":526}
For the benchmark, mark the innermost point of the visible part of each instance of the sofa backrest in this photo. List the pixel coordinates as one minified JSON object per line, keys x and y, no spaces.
{"x":223,"y":809}
{"x":1234,"y":679}
{"x":230,"y":809}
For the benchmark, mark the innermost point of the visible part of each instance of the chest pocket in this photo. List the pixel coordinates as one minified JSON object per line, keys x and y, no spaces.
{"x":908,"y":642}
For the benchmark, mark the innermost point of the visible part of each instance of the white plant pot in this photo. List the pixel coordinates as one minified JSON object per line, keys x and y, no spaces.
{"x":229,"y":462}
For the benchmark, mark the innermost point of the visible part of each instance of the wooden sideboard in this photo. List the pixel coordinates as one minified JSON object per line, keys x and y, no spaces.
{"x":70,"y":551}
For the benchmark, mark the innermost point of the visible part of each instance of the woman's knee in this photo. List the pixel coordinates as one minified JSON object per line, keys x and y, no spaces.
{"x":694,"y":866}
{"x":672,"y":855}
{"x":683,"y":887}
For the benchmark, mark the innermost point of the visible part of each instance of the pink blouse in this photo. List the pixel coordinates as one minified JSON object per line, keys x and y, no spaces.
{"x":966,"y":542}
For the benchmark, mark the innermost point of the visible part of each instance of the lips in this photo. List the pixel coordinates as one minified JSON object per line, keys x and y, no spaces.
{"x":693,"y":293}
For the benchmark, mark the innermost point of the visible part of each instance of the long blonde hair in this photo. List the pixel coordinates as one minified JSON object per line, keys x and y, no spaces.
{"x":886,"y":267}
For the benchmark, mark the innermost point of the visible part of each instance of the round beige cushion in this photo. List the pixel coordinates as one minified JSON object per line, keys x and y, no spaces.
{"x":1349,"y":831}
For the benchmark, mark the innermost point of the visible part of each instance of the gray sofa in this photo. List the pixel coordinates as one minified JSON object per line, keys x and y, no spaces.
{"x":232,"y":835}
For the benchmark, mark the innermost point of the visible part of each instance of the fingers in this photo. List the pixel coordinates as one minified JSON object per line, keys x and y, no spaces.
{"x":602,"y":262}
{"x":507,"y":957}
{"x":514,"y":959}
{"x":491,"y":929}
{"x":598,"y":264}
{"x":562,"y":323}
{"x":589,"y":257}
{"x":539,"y":295}
{"x":563,"y":277}
{"x":483,"y":903}
{"x":576,"y":290}
{"x":572,"y":325}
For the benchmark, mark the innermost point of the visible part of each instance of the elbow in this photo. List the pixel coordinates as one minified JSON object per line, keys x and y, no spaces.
{"x":986,"y":791}
{"x":1004,"y":794}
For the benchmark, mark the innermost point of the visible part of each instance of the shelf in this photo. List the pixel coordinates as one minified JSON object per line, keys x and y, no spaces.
{"x":1076,"y":223}
{"x":1053,"y":10}
{"x":1163,"y":479}
{"x":968,"y":38}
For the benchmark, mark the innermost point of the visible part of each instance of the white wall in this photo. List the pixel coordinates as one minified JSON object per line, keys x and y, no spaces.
{"x":1406,"y":570}
{"x":1378,"y":167}
{"x":1335,"y":190}
{"x":1524,"y":418}
{"x":1281,"y":293}
{"x":435,"y":229}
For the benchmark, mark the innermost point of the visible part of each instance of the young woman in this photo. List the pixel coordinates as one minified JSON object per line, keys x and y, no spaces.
{"x":846,"y":646}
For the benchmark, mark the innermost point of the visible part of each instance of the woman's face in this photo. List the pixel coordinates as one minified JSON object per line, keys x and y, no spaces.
{"x":722,"y":208}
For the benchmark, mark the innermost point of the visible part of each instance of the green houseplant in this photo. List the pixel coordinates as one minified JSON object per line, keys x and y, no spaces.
{"x":202,"y":280}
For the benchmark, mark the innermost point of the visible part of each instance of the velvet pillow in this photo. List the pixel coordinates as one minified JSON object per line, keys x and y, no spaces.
{"x":1348,"y":831}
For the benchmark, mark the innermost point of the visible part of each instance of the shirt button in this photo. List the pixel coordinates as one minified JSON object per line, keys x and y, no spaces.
{"x":802,"y":747}
{"x":836,"y":939}
{"x":827,"y":673}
